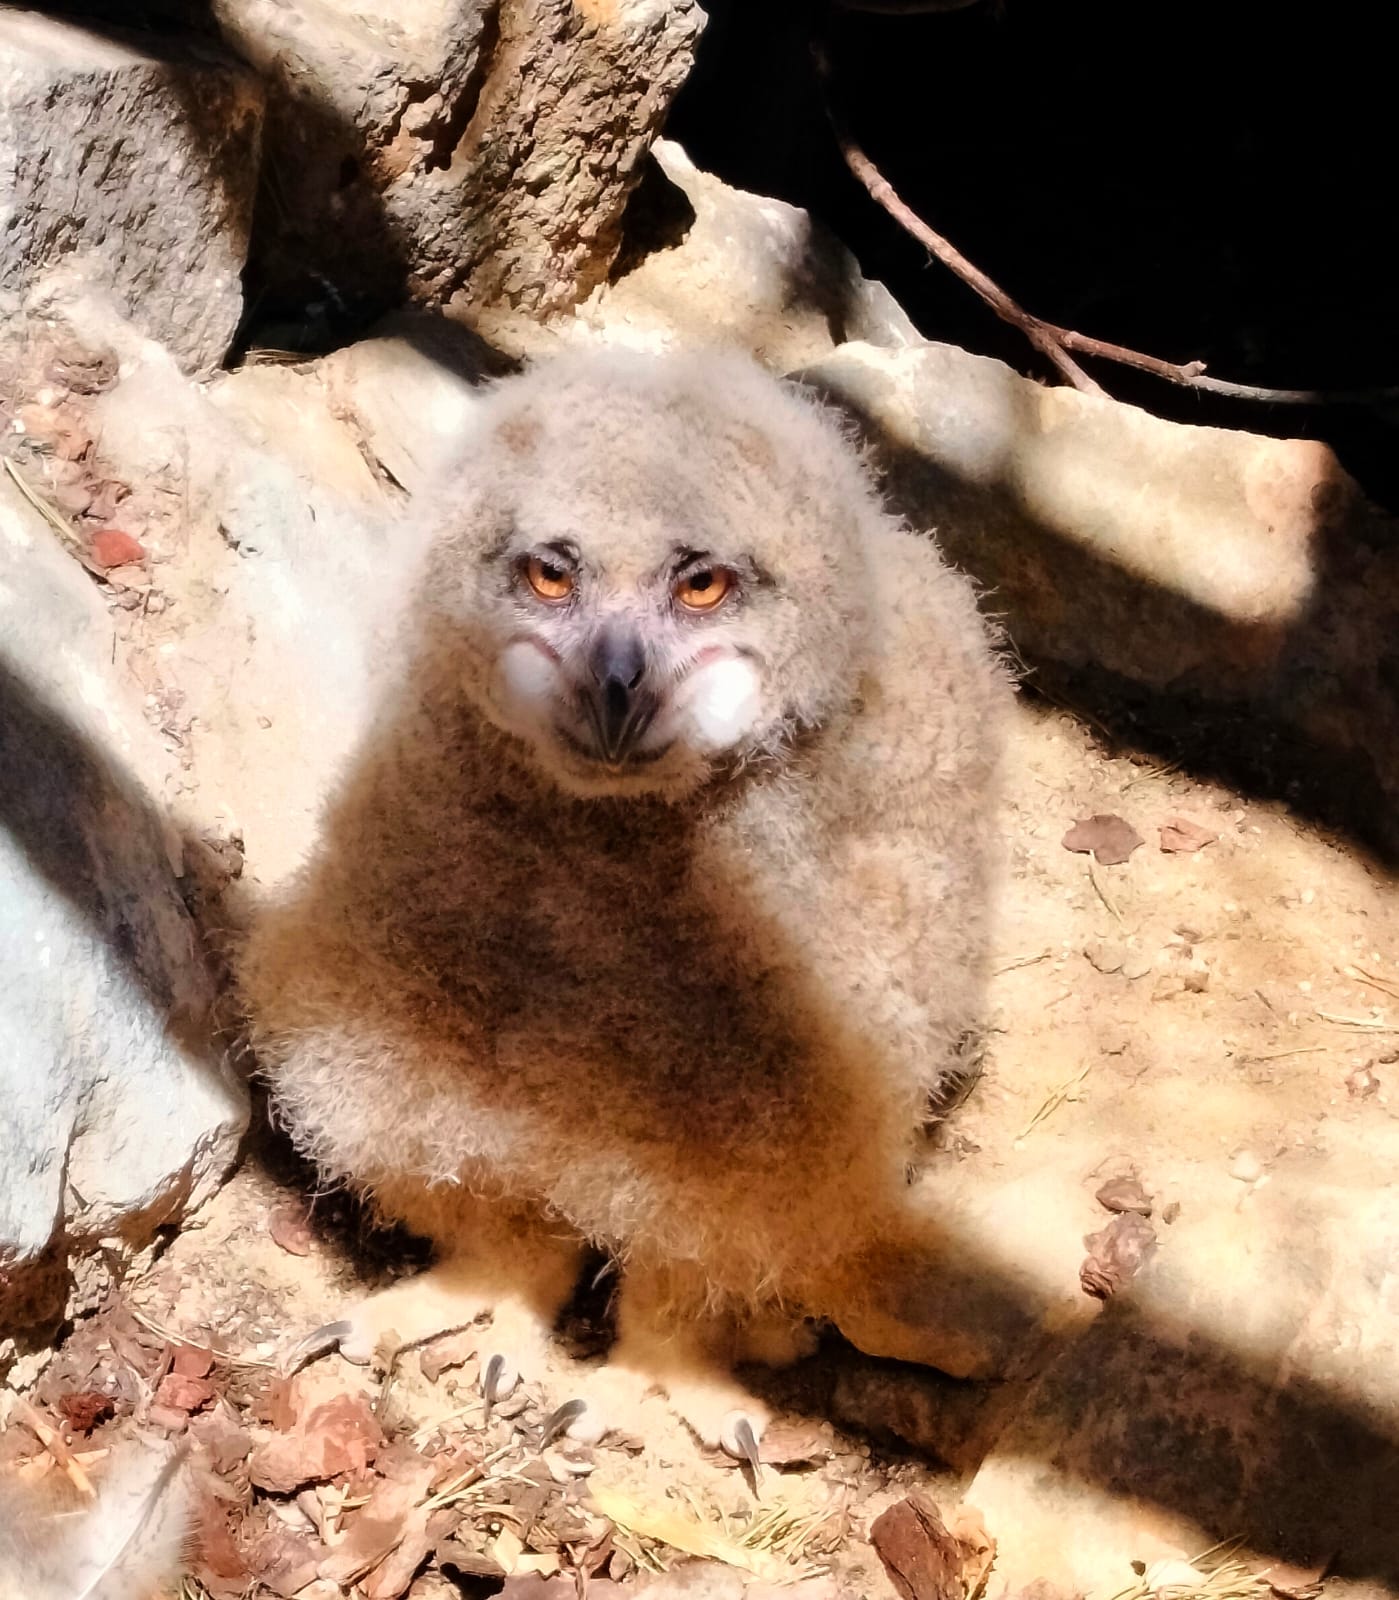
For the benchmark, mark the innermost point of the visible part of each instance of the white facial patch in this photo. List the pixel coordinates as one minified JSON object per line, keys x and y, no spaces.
{"x":529,"y":680}
{"x":722,"y":703}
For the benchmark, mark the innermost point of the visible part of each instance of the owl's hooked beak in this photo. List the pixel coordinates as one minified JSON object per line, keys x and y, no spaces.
{"x":617,"y":699}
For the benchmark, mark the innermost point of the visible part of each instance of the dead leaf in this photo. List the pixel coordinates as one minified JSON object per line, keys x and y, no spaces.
{"x":339,"y":1436}
{"x":1180,"y":836}
{"x":1294,"y":1583}
{"x":1110,"y":840}
{"x":290,"y":1228}
{"x":112,"y":547}
{"x":82,"y":1412}
{"x":276,"y":1403}
{"x":106,"y":497}
{"x":284,"y":1562}
{"x":968,"y":1528}
{"x":923,"y":1560}
{"x":530,"y":1586}
{"x":217,"y":1562}
{"x":1115,"y":1254}
{"x":386,"y":1540}
{"x":1363,"y":1082}
{"x":460,"y":1557}
{"x":1124,"y":1194}
{"x":455,"y":1350}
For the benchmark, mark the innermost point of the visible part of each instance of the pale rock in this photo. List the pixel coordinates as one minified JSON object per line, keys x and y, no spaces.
{"x":297,"y":547}
{"x":117,"y":1110}
{"x":1221,"y":565}
{"x":130,"y":167}
{"x":1243,"y":1386}
{"x":748,"y":271}
{"x":474,"y":148}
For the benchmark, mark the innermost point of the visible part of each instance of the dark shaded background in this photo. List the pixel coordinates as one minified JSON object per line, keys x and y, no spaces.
{"x":1212,"y":181}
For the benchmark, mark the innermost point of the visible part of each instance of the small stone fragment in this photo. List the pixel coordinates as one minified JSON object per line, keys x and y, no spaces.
{"x":1124,"y":1194}
{"x":1246,"y":1167}
{"x":1116,"y":1254}
{"x":1109,"y":839}
{"x":1363,"y":1083}
{"x":923,"y":1560}
{"x":111,"y":547}
{"x":1104,"y":956}
{"x":179,"y":1393}
{"x":192,"y":1361}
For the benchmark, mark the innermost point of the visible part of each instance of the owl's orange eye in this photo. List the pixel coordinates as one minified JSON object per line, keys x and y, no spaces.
{"x":703,"y":590}
{"x":548,"y":579}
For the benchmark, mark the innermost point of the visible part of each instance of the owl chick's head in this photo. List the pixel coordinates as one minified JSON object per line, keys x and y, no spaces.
{"x":652,"y":569}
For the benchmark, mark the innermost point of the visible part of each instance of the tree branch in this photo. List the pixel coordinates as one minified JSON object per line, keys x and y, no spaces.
{"x":1051,"y":340}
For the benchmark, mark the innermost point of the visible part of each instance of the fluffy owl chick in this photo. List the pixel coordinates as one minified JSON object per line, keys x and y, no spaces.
{"x":651,"y":911}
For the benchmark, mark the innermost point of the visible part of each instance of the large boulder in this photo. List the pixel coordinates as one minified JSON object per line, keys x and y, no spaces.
{"x":132,"y":166}
{"x":117,"y":1110}
{"x":474,"y":148}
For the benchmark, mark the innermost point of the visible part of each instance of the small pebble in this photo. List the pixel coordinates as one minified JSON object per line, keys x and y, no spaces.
{"x":1246,"y":1167}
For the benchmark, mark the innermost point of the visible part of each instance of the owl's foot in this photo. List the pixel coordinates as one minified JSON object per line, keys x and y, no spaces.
{"x":672,"y":1341}
{"x":496,"y":1264}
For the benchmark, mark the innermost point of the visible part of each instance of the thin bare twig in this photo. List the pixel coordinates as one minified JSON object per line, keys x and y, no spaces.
{"x":884,"y":194}
{"x":1051,"y":340}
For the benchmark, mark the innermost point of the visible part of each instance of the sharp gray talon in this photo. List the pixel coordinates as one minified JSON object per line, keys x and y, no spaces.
{"x":559,"y":1420}
{"x":320,"y":1341}
{"x":739,"y":1440}
{"x":499,"y":1378}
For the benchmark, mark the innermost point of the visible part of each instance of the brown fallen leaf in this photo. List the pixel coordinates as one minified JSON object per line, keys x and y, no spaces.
{"x":1180,"y":836}
{"x":455,"y":1350}
{"x":284,"y":1562}
{"x":1124,"y":1194}
{"x":530,"y":1586}
{"x":386,"y":1540}
{"x":1289,"y":1582}
{"x":1363,"y":1082}
{"x":923,"y":1560}
{"x":290,"y":1228}
{"x":1110,"y":840}
{"x":107,"y":495}
{"x":339,"y":1436}
{"x":1115,"y":1254}
{"x":968,"y":1528}
{"x":82,"y":1412}
{"x":217,"y":1562}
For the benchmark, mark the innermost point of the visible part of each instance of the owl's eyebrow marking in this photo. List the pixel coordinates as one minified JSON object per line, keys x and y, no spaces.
{"x":564,"y":549}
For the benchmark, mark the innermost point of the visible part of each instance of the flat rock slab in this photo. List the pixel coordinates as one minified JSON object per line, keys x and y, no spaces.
{"x":1191,"y":562}
{"x":1244,"y":1388}
{"x":132,"y":171}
